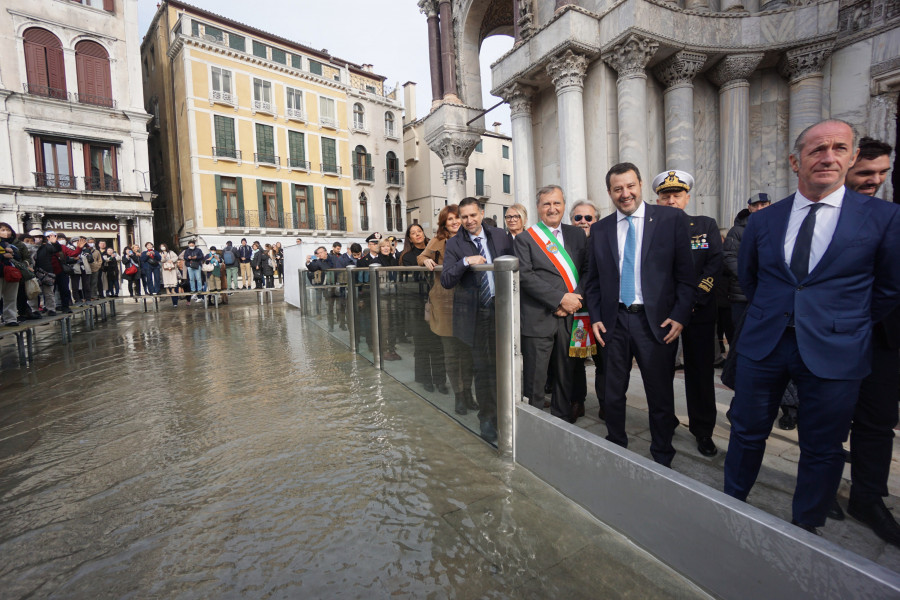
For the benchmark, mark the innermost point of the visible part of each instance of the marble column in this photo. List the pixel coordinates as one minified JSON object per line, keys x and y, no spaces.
{"x":629,"y":58}
{"x":731,"y":74}
{"x":802,"y":67}
{"x":429,"y":9}
{"x":519,"y":98}
{"x":123,"y":233}
{"x":567,"y":73}
{"x":454,"y":149}
{"x":448,"y":55}
{"x":677,"y":74}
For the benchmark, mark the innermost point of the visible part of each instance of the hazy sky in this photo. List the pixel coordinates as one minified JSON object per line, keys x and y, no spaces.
{"x":389,"y":34}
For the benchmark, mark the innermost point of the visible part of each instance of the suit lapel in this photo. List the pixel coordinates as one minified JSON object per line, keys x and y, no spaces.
{"x":853,"y":214}
{"x":612,"y":236}
{"x":649,"y":229}
{"x":778,"y":230}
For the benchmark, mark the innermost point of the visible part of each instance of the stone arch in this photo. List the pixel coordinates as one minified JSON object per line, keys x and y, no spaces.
{"x":477,"y":20}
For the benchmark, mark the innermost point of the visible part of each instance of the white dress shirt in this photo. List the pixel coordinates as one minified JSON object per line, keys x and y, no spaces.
{"x":487,"y":254}
{"x":826,"y":223}
{"x":621,"y":234}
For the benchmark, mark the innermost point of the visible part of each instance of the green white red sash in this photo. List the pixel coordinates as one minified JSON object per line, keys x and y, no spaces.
{"x":581,"y":343}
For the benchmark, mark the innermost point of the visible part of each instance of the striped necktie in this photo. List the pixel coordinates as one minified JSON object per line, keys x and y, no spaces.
{"x":484,"y":292}
{"x":628,"y":289}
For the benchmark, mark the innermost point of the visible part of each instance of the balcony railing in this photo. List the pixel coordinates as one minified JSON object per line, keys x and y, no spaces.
{"x":46,"y":92}
{"x":390,"y":132}
{"x":331,"y":223}
{"x":394,"y":177}
{"x":95,"y":100}
{"x":266,"y":159}
{"x":226,"y":153}
{"x":54,"y":180}
{"x":483,"y":191}
{"x":328,"y":122}
{"x":222,"y":97}
{"x":303,"y":221}
{"x":296,"y":163}
{"x":263,"y":107}
{"x":359,"y":127}
{"x":329,"y":168}
{"x":363,"y":223}
{"x":295,"y":114}
{"x":363,"y":173}
{"x":102,"y":184}
{"x":254,"y":219}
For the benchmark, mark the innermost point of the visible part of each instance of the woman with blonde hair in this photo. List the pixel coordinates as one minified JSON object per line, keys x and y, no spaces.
{"x":516,"y":218}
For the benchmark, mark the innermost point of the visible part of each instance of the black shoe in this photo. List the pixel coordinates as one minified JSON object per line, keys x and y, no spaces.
{"x":602,"y":412}
{"x":460,"y":404}
{"x":51,"y":313}
{"x":470,"y":400}
{"x":787,"y":421}
{"x":68,"y":311}
{"x":31,"y":317}
{"x":877,"y":516}
{"x":808,"y":528}
{"x":442,"y":388}
{"x":488,"y":432}
{"x":548,"y":388}
{"x":706,"y":447}
{"x":835,"y":511}
{"x":429,"y":387}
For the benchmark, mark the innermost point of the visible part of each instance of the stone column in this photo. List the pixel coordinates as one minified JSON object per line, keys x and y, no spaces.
{"x":567,"y":73}
{"x":519,"y":98}
{"x":629,"y":58}
{"x":677,"y":74}
{"x":730,"y":74}
{"x":123,"y":233}
{"x":802,"y":67}
{"x":454,"y":149}
{"x":429,"y":9}
{"x":448,"y":55}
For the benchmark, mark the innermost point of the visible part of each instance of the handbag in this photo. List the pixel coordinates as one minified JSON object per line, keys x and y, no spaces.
{"x":207,"y":268}
{"x":32,"y":288}
{"x":11,"y":274}
{"x":132,"y":270}
{"x":24,"y":268}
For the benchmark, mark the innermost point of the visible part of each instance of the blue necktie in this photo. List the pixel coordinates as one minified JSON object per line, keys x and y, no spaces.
{"x":484,"y":292}
{"x":627,"y":291}
{"x":803,"y":244}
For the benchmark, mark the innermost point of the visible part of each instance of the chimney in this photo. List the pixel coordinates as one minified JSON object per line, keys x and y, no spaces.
{"x":496,"y":126}
{"x":409,"y":102}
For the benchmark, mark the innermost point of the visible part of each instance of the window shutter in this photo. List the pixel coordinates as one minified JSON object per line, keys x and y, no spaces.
{"x":310,"y":206}
{"x":279,"y":203}
{"x":260,"y":202}
{"x":240,"y":195}
{"x":36,"y":64}
{"x":109,"y":5}
{"x":293,"y":203}
{"x":220,"y":204}
{"x":195,"y":28}
{"x":56,"y":70}
{"x":340,"y":194}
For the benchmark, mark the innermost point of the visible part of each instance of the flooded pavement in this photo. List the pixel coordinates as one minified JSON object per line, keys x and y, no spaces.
{"x":245,"y":453}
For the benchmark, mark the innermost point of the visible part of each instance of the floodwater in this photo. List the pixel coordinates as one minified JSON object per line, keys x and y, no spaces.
{"x":243,"y":453}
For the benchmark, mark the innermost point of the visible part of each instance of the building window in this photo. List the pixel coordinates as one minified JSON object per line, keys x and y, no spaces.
{"x":363,"y":212}
{"x":265,"y":144}
{"x":315,"y":67}
{"x":301,"y":204}
{"x":479,"y":182}
{"x":225,"y":144}
{"x":389,"y":124}
{"x":221,"y":85}
{"x":393,"y":169}
{"x":92,"y":66}
{"x":45,"y":71}
{"x":100,"y":167}
{"x":505,"y":151}
{"x":259,"y":50}
{"x":230,"y":201}
{"x":54,"y":164}
{"x":294,"y":105}
{"x":359,"y":116}
{"x":371,"y":89}
{"x":479,"y":147}
{"x":327,"y":112}
{"x":506,"y":184}
{"x":269,"y":193}
{"x":329,"y":156}
{"x":279,"y":56}
{"x":398,"y":213}
{"x":107,"y":5}
{"x":214,"y":33}
{"x":362,"y":165}
{"x":262,"y":96}
{"x":333,"y":210}
{"x":388,"y":214}
{"x":296,"y":61}
{"x":237,"y":42}
{"x":297,"y":149}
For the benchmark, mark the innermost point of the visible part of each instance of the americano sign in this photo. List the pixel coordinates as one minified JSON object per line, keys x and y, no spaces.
{"x":66,"y":224}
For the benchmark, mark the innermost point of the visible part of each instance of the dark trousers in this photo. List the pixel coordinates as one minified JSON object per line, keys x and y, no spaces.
{"x":484,"y":362}
{"x":737,"y":311}
{"x":699,"y":342}
{"x":429,"y":353}
{"x":62,"y":285}
{"x":633,"y":339}
{"x":86,"y":289}
{"x":874,"y":419}
{"x":134,"y":284}
{"x":823,"y":422}
{"x":112,"y":283}
{"x":540,"y":352}
{"x":458,"y":364}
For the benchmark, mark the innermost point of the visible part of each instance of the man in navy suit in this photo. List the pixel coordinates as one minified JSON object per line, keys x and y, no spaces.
{"x":817,"y":269}
{"x":473,"y":302}
{"x":640,"y":289}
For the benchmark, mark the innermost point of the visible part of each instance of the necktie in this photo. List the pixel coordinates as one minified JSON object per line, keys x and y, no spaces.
{"x":484,"y":292}
{"x":627,"y":290}
{"x":803,"y":244}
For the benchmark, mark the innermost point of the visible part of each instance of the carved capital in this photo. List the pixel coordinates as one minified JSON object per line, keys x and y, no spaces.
{"x":801,"y":63}
{"x":630,"y":56}
{"x":680,"y":68}
{"x":428,"y":8}
{"x":567,"y":70}
{"x":518,"y":96}
{"x":736,"y":67}
{"x":454,"y":148}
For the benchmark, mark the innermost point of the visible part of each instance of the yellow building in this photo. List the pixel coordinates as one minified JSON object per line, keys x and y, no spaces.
{"x":251,"y":134}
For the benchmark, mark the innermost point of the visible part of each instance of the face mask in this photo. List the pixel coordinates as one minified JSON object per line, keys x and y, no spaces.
{"x":191,"y":246}
{"x":90,"y":244}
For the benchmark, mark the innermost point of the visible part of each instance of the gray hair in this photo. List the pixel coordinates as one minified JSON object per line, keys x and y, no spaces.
{"x":523,"y":212}
{"x":547,"y":189}
{"x":801,"y":139}
{"x":584,"y":203}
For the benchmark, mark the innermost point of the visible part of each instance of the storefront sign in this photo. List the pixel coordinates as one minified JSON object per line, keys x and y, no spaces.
{"x":80,"y":224}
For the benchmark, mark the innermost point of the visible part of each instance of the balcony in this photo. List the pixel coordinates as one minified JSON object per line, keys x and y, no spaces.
{"x":359,"y":127}
{"x":102,"y":184}
{"x":363,"y":223}
{"x":269,"y":160}
{"x":219,"y":97}
{"x":253,"y":219}
{"x":299,"y":164}
{"x":483,"y":191}
{"x":46,"y":92}
{"x":328,"y":122}
{"x":262,"y":106}
{"x":363,"y":173}
{"x":394,"y":177}
{"x":226,"y":153}
{"x":331,"y":223}
{"x":95,"y":100}
{"x":391,"y":133}
{"x":295,"y":114}
{"x":54,"y":180}
{"x":303,"y":221}
{"x":330,"y":169}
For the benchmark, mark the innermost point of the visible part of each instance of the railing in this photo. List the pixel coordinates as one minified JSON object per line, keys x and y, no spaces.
{"x":263,"y":107}
{"x":95,"y":100}
{"x":296,"y":163}
{"x":359,"y":127}
{"x":304,"y":222}
{"x":266,"y":159}
{"x":46,"y":92}
{"x":483,"y":191}
{"x":223,"y":97}
{"x":363,"y":223}
{"x":328,"y":122}
{"x":394,"y":177}
{"x":102,"y":184}
{"x":390,"y":132}
{"x":400,"y":224}
{"x":363,"y":173}
{"x":329,"y":168}
{"x":295,"y":114}
{"x":252,"y":219}
{"x":331,"y":223}
{"x":54,"y":180}
{"x":232,"y":153}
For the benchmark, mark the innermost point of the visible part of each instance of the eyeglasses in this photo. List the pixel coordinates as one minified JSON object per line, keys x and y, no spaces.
{"x":587,"y":218}
{"x":512,"y":217}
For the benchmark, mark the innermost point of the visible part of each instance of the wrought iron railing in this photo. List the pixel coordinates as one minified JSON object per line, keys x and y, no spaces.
{"x":390,"y":132}
{"x":329,"y":168}
{"x":295,"y":114}
{"x":263,"y":106}
{"x":363,"y":223}
{"x":47,"y":92}
{"x":359,"y":127}
{"x":394,"y":177}
{"x":232,"y":153}
{"x":222,"y":97}
{"x":303,"y":221}
{"x":363,"y":173}
{"x":95,"y":100}
{"x":254,"y":219}
{"x":102,"y":183}
{"x":331,"y":223}
{"x":296,"y":163}
{"x":54,"y":180}
{"x":266,"y":159}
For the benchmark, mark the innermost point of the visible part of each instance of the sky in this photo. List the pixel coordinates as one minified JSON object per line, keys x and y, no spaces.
{"x":390,"y":34}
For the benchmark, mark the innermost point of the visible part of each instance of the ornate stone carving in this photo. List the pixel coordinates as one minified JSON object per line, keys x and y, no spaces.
{"x":567,"y":70}
{"x":455,"y":148}
{"x":680,"y":68}
{"x":525,"y":19}
{"x":630,"y":56}
{"x":800,"y":63}
{"x":499,"y":14}
{"x":736,"y":67}
{"x":428,"y":8}
{"x":518,"y":96}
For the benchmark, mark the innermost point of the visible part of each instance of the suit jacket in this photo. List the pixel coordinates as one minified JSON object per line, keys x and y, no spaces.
{"x":706,"y":252}
{"x":856,"y":282}
{"x":465,"y":283}
{"x":667,"y":269}
{"x":542,"y":285}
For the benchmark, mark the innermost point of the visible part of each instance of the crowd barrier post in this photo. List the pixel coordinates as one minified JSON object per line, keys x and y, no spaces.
{"x":375,"y":300}
{"x":506,"y":281}
{"x":301,"y":277}
{"x":351,"y":306}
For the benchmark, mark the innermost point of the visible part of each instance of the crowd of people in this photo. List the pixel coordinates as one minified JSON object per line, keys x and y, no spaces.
{"x":45,"y":272}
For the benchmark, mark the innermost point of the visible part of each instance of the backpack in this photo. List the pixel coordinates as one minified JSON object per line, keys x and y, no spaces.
{"x":228,"y":257}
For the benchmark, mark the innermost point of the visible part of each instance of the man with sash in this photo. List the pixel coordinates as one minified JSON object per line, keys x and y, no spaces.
{"x":554,"y":331}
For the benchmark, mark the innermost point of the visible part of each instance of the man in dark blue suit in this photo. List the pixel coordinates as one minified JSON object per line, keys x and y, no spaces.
{"x":817,"y":269}
{"x":639,"y":289}
{"x":473,"y":302}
